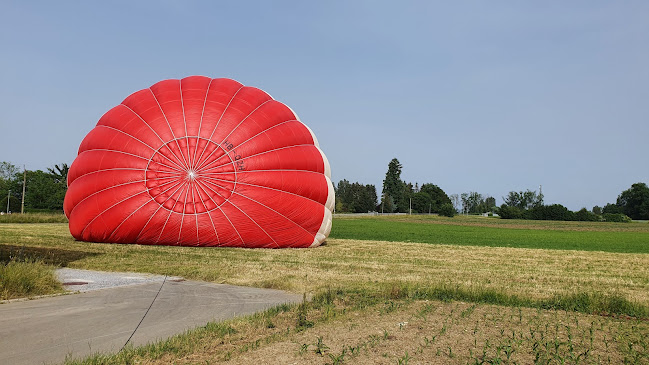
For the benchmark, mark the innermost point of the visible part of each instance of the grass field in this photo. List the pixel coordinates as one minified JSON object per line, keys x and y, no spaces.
{"x":480,"y":231}
{"x":567,"y":279}
{"x":20,"y":279}
{"x":33,"y":218}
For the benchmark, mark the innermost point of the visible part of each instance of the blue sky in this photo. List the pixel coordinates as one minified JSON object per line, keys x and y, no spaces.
{"x":472,"y":96}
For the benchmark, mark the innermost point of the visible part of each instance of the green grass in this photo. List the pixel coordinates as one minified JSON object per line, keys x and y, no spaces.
{"x":379,"y":229}
{"x":34,"y":218}
{"x":19,"y":279}
{"x":589,"y":303}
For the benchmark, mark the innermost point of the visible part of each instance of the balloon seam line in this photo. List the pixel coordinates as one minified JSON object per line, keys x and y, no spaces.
{"x":276,"y":212}
{"x":142,"y":142}
{"x":182,"y":219}
{"x":107,"y":209}
{"x":182,"y":106}
{"x":261,"y":153}
{"x":279,"y":190}
{"x":170,"y":129}
{"x":153,"y":130}
{"x":157,"y":210}
{"x":219,"y":120}
{"x":169,"y":215}
{"x":219,"y":206}
{"x":200,"y":124}
{"x":209,"y":211}
{"x":237,"y":126}
{"x":254,"y":221}
{"x":240,"y":144}
{"x":266,"y":130}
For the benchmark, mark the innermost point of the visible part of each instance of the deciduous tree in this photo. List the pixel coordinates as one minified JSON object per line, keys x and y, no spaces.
{"x":523,"y":199}
{"x":437,"y":195}
{"x":635,"y":201}
{"x":421,"y":202}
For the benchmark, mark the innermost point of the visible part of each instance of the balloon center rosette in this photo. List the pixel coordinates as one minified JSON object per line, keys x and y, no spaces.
{"x":200,"y":162}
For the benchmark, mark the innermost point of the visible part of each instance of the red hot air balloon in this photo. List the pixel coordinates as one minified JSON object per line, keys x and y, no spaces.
{"x":200,"y":162}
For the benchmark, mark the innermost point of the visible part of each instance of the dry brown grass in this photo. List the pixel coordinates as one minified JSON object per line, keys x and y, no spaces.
{"x":529,"y":273}
{"x":426,"y":332}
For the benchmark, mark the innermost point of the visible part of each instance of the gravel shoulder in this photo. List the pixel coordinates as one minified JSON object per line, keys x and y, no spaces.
{"x":76,"y":280}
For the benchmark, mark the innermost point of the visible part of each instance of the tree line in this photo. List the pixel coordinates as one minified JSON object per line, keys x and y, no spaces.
{"x":44,"y":190}
{"x":399,"y":196}
{"x":632,"y":203}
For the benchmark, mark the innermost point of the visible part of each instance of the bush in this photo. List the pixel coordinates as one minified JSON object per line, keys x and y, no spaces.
{"x":447,"y":210}
{"x":616,"y":217}
{"x":554,"y":212}
{"x":612,"y":209}
{"x":585,"y":216}
{"x":507,"y":212}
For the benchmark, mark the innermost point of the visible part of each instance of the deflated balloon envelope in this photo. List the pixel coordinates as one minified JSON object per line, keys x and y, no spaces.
{"x":200,"y":162}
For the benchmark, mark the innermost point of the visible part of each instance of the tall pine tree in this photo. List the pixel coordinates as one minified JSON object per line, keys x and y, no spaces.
{"x":393,"y":187}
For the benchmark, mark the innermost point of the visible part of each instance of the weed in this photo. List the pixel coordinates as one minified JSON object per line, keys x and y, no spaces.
{"x":269,"y":323}
{"x":403,"y":360}
{"x":302,"y":321}
{"x":338,"y":359}
{"x":467,"y":312}
{"x":304,"y":348}
{"x":320,"y":347}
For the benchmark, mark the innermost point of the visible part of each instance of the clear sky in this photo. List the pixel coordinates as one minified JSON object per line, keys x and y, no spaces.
{"x":483,"y":96}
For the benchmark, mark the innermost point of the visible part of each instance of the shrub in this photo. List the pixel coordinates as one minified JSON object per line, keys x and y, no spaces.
{"x":611,"y":208}
{"x":554,"y":212}
{"x":585,"y":216}
{"x":616,"y":217}
{"x":508,"y":212}
{"x":597,"y":210}
{"x":447,"y":210}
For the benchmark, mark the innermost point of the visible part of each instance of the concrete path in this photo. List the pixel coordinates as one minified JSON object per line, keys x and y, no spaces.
{"x":46,"y":330}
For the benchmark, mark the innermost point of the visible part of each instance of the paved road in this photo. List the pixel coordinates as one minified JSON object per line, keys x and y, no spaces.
{"x":46,"y":330}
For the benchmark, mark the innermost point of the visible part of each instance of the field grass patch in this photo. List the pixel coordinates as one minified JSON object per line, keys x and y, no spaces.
{"x":34,"y":218}
{"x":390,"y":324}
{"x":20,"y":279}
{"x":416,"y":230}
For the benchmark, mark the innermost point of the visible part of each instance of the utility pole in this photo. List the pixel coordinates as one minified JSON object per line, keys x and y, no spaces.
{"x":22,"y":204}
{"x":8,"y":195}
{"x":410,"y":206}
